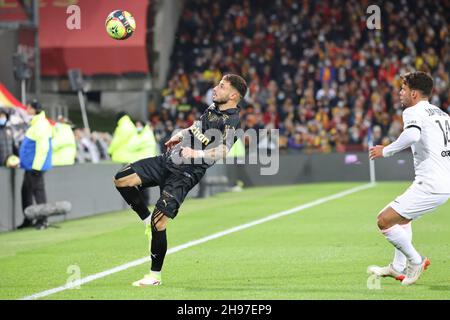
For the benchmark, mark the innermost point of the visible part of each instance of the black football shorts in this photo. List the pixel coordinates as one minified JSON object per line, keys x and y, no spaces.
{"x":174,"y":186}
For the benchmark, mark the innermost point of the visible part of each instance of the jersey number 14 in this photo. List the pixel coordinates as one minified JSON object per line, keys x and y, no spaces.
{"x":444,"y":132}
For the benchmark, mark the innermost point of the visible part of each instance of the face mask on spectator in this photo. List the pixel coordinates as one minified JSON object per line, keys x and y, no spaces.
{"x":139,"y":129}
{"x":2,"y":121}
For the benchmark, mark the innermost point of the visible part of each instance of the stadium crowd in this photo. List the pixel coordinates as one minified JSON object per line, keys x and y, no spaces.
{"x":315,"y":70}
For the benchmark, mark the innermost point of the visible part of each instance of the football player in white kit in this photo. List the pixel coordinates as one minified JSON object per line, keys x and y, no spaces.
{"x":427,"y":132}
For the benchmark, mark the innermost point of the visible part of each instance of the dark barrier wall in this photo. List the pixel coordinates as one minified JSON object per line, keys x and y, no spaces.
{"x":90,"y":189}
{"x":327,"y":167}
{"x":87,"y":187}
{"x":6,"y":199}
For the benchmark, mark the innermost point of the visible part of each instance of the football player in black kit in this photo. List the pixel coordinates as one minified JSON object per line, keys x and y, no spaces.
{"x":189,"y":153}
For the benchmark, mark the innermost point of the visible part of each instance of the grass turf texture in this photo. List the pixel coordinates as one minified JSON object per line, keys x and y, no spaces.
{"x":318,"y":253}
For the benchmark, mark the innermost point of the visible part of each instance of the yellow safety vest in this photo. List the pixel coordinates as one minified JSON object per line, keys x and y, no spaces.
{"x":64,"y":145}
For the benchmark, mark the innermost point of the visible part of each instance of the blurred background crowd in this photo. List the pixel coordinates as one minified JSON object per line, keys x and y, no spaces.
{"x":315,"y":71}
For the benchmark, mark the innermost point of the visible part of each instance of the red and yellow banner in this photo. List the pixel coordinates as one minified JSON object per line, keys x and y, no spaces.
{"x":8,"y":100}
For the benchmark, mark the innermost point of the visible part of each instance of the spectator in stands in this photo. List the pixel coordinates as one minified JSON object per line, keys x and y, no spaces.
{"x":6,"y":138}
{"x":102,"y":140}
{"x":35,"y":158}
{"x":87,"y":150}
{"x":64,"y":147}
{"x":312,"y":65}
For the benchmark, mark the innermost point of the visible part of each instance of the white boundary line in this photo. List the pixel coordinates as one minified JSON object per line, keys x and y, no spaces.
{"x":189,"y":244}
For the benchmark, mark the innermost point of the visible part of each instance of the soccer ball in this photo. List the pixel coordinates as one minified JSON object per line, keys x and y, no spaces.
{"x":120,"y":25}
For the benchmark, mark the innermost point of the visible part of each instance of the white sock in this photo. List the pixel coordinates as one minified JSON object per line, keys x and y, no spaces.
{"x":400,"y":240}
{"x":148,"y":220}
{"x":400,"y":259}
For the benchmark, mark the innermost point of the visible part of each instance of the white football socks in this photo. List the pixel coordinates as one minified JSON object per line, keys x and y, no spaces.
{"x":400,"y":259}
{"x":148,"y":220}
{"x":400,"y":239}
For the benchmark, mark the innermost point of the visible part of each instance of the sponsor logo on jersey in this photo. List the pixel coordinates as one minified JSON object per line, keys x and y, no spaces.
{"x":445,"y":153}
{"x":199,"y":135}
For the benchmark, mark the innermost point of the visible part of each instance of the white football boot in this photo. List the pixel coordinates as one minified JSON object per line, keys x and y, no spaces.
{"x":150,"y":279}
{"x":413,"y":271}
{"x":387,"y":271}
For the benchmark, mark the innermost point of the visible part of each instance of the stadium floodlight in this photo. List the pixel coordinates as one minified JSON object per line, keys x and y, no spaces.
{"x":77,"y":84}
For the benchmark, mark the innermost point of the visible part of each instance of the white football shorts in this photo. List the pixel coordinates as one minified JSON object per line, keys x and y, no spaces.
{"x":416,"y":201}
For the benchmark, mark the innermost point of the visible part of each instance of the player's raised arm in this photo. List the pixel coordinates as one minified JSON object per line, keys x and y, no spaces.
{"x":412,"y":123}
{"x":214,"y":154}
{"x":405,"y":140}
{"x":217,"y":153}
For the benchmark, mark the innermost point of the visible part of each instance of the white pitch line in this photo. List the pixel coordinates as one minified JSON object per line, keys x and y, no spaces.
{"x":189,"y":244}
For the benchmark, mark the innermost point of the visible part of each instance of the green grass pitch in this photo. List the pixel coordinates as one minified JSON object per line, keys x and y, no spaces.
{"x":319,"y":253}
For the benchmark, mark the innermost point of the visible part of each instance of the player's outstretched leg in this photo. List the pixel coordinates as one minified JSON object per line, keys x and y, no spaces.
{"x":127,"y":182}
{"x":400,"y":260}
{"x":158,"y":250}
{"x":396,"y":269}
{"x":390,"y":224}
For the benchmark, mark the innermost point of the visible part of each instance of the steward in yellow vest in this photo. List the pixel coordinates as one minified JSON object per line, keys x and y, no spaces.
{"x":119,"y":149}
{"x":143,"y":144}
{"x":63,"y":144}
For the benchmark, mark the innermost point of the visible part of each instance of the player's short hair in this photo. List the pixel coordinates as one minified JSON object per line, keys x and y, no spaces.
{"x":238,"y":83}
{"x":420,"y":81}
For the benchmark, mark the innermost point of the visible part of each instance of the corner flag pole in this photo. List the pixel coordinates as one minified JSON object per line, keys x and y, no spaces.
{"x":371,"y":162}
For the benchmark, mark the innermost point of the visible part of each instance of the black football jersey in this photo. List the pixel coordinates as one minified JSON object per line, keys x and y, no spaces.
{"x":214,"y":128}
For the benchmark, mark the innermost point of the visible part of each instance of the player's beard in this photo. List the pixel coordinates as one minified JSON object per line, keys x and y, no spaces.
{"x":406,"y":102}
{"x":219,"y":102}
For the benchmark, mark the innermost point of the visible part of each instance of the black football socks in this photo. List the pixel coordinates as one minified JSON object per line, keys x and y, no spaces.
{"x":158,"y":249}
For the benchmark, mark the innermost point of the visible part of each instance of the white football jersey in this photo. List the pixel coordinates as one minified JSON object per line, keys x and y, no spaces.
{"x":432,"y":152}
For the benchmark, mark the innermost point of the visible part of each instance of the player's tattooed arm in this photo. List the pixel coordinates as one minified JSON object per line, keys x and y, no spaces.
{"x":214,"y":154}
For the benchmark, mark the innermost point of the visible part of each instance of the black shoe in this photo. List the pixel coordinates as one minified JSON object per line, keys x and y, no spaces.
{"x":25,"y":224}
{"x":42,"y":223}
